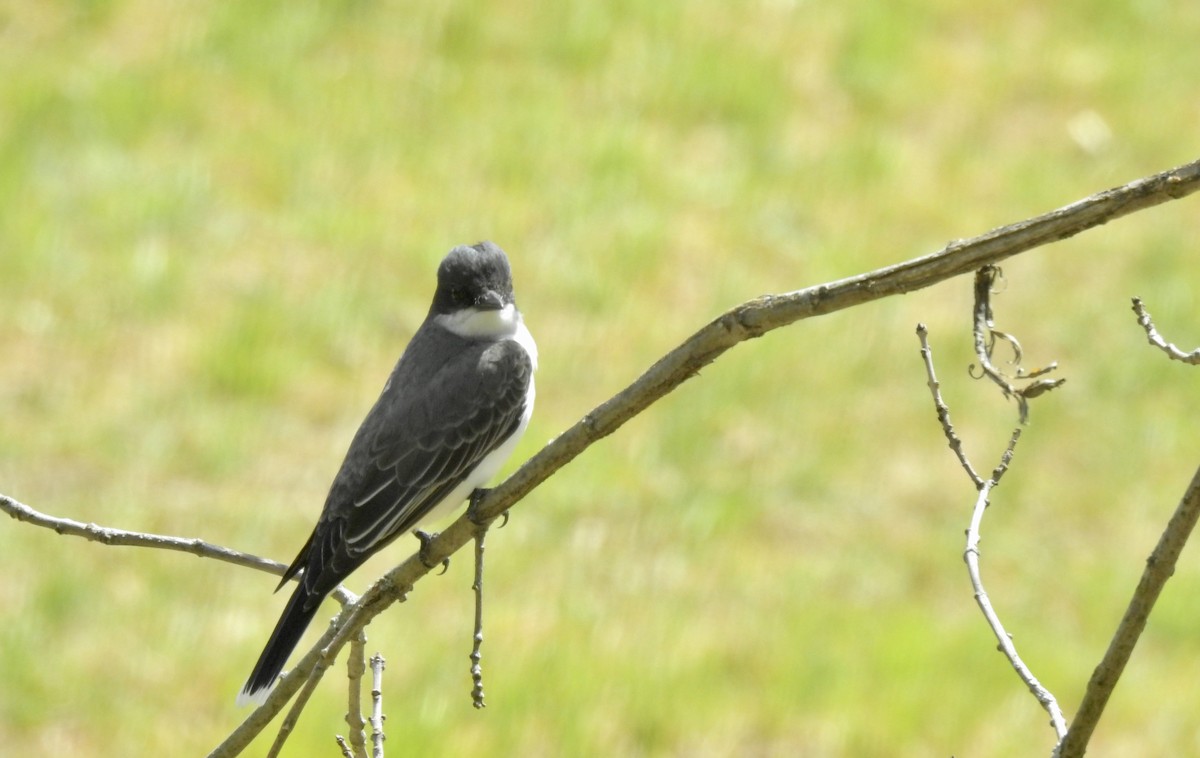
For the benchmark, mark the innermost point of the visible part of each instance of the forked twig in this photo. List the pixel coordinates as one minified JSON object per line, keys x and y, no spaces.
{"x":985,"y":337}
{"x":971,"y":553}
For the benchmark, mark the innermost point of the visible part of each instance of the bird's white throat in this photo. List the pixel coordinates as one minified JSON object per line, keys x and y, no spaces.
{"x":476,"y":323}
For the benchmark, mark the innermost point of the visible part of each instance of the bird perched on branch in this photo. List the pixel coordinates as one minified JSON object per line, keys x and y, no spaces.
{"x":449,"y":416}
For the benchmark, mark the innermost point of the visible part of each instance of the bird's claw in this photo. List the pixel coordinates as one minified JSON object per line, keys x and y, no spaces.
{"x":423,"y":552}
{"x":473,"y":507}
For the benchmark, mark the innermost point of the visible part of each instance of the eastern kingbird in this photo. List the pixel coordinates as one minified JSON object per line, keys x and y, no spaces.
{"x":449,"y":416}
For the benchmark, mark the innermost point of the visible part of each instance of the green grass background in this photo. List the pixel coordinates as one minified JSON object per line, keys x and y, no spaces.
{"x":219,"y":224}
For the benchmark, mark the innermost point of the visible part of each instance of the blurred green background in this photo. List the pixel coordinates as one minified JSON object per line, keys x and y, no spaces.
{"x":219,"y":225}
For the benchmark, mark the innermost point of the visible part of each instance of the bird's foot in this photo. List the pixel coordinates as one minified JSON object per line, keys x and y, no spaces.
{"x":473,"y":509}
{"x":423,"y":552}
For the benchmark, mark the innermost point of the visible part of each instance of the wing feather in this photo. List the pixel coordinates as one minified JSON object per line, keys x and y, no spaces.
{"x":417,"y":444}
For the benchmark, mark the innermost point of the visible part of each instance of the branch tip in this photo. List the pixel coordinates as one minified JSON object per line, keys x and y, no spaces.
{"x":1156,"y":339}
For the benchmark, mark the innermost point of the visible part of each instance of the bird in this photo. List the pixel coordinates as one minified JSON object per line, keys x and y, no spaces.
{"x":450,"y":414}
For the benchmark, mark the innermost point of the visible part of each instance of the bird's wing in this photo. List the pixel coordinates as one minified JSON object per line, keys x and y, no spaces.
{"x":425,"y":441}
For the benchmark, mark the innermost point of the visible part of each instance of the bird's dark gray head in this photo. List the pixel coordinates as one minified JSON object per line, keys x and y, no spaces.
{"x":475,"y":276}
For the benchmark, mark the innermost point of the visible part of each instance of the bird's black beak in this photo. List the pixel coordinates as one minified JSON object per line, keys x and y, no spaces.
{"x":490,"y":300}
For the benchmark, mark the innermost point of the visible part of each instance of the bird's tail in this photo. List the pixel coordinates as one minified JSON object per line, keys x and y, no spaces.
{"x":295,"y":619}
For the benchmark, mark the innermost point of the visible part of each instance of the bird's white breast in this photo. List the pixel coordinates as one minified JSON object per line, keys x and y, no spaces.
{"x":505,"y":323}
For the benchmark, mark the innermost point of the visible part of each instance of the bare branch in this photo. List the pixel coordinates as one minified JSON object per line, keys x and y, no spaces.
{"x":943,"y":410}
{"x":759,"y":316}
{"x":258,"y":719}
{"x":311,"y":677}
{"x":1003,"y":638}
{"x":985,"y":336}
{"x":477,"y":698}
{"x":377,"y":735}
{"x":971,"y":553}
{"x":1006,"y":457}
{"x":121,"y":537}
{"x":1156,"y":339}
{"x":356,"y":666}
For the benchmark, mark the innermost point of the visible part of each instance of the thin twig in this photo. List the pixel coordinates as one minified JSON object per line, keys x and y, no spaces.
{"x":123,"y":538}
{"x":1006,"y":457}
{"x":971,"y":553}
{"x":356,"y":666}
{"x":1156,"y":339}
{"x":341,"y":741}
{"x":377,"y":717}
{"x":285,"y":729}
{"x":306,"y":673}
{"x":1003,"y":638}
{"x":298,"y":705}
{"x":985,"y":336}
{"x":311,"y":674}
{"x":477,"y":639}
{"x":943,"y":410}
